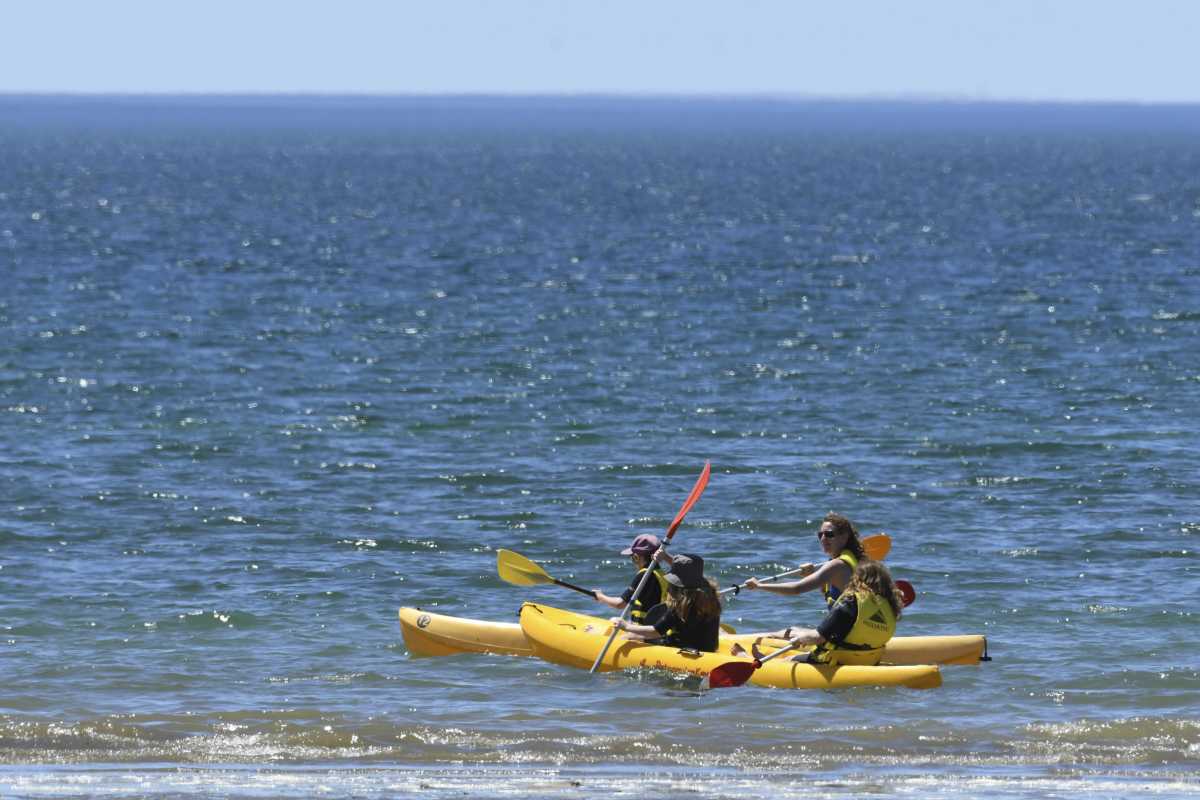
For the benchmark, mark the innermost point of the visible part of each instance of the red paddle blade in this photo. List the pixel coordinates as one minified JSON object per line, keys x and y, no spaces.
{"x":907,"y":592}
{"x":697,"y":490}
{"x":731,"y":673}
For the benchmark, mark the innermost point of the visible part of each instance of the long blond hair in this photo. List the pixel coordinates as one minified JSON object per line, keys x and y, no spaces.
{"x":872,"y":576}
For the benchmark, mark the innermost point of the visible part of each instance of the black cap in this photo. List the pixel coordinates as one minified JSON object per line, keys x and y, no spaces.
{"x":687,"y":571}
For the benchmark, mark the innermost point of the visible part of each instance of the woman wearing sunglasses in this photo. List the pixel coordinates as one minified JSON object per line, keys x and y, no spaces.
{"x":840,"y":541}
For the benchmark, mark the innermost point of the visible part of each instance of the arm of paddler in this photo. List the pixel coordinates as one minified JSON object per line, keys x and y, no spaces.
{"x":620,"y":602}
{"x":660,"y":619}
{"x":814,"y":580}
{"x":635,"y":631}
{"x":608,"y":600}
{"x":833,"y":627}
{"x":806,"y":636}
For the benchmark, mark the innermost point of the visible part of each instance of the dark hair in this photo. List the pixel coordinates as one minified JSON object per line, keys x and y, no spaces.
{"x":841,"y":525}
{"x":703,"y":601}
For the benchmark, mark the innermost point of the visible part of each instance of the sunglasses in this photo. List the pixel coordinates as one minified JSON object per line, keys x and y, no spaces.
{"x":823,"y":534}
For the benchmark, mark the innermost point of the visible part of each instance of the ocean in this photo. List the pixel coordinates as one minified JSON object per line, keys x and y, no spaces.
{"x":274,"y":367}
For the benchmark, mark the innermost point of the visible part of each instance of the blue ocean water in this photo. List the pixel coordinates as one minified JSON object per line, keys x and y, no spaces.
{"x":274,"y":367}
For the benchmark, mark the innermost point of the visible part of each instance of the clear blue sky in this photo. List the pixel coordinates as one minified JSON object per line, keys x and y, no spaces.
{"x":1146,"y":51}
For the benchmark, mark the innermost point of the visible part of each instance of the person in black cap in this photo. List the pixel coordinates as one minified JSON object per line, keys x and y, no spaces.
{"x":641,"y":551}
{"x":690,"y":617}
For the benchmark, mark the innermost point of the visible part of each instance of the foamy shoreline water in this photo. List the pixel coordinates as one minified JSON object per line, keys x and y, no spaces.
{"x":551,"y":783}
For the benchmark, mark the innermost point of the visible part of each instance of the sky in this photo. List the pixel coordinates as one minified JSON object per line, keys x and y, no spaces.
{"x":1042,"y":50}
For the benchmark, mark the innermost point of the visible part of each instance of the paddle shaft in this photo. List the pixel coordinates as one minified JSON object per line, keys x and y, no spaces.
{"x":701,"y":482}
{"x":624,"y":616}
{"x":738,"y":588}
{"x":589,"y":592}
{"x":907,"y":593}
{"x":879,"y":542}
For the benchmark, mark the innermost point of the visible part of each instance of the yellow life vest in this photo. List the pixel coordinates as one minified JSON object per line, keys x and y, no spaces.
{"x":831,"y":592}
{"x":638,"y":614}
{"x":873,"y":628}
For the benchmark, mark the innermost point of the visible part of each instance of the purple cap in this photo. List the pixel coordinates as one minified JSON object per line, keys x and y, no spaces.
{"x":643,"y":545}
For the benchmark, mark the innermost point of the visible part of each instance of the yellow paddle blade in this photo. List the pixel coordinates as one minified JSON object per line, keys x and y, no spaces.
{"x":877,"y":546}
{"x":728,"y":629}
{"x":516,"y":568}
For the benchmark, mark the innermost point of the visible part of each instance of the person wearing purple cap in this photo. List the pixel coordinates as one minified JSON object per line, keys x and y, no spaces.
{"x":641,"y":551}
{"x":689,"y":617}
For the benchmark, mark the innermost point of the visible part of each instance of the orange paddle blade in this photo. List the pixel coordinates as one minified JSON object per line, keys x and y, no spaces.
{"x":697,"y":490}
{"x":877,"y":546}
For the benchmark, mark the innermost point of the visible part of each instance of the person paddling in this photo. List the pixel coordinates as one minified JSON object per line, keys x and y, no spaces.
{"x":690,"y":617}
{"x":641,"y":551}
{"x":860,"y":623}
{"x":841,"y":542}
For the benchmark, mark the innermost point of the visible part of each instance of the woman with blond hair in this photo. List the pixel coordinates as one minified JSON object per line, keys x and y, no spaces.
{"x":858,"y":625}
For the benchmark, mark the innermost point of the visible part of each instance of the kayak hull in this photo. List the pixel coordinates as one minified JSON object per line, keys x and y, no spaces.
{"x":563,"y":637}
{"x":429,"y":634}
{"x":961,"y":649}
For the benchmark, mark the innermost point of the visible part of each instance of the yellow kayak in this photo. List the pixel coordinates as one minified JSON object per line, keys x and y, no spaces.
{"x":563,"y":637}
{"x":429,"y":634}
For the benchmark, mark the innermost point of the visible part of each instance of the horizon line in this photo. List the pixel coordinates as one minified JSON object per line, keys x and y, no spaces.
{"x":778,"y":97}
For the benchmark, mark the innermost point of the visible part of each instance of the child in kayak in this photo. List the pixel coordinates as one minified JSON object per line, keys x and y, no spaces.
{"x":690,"y":617}
{"x":641,"y":551}
{"x":840,"y":541}
{"x":859,"y":624}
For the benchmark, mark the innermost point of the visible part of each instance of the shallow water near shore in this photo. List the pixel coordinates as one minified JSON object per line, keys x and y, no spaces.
{"x":272,"y":369}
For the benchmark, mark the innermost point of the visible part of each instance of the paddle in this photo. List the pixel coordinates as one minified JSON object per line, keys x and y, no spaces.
{"x":692,"y":497}
{"x":876,"y":546}
{"x":735,"y":673}
{"x":516,"y":568}
{"x":519,"y":570}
